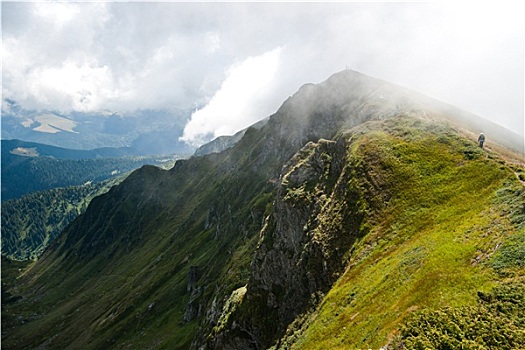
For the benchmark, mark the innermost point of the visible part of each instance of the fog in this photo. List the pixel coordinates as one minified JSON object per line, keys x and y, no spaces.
{"x":235,"y":63}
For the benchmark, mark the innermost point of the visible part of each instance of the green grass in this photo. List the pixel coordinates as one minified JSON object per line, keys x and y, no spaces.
{"x":425,"y":218}
{"x":118,"y":276}
{"x":497,"y":322}
{"x":421,"y":252}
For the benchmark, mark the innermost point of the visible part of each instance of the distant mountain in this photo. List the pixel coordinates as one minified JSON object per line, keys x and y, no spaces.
{"x":18,"y":147}
{"x":361,"y":215}
{"x":29,"y":167}
{"x":222,"y":143}
{"x":147,"y":131}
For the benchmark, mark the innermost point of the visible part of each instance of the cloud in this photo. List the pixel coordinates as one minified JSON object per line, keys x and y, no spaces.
{"x":56,"y":14}
{"x":49,"y":56}
{"x":124,"y":56}
{"x":82,"y":87}
{"x":240,"y":101}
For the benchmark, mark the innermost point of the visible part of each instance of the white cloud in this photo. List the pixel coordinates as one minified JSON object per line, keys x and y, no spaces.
{"x":161,"y":55}
{"x":213,"y":42}
{"x":50,"y":56}
{"x":238,"y":103}
{"x":82,"y":87}
{"x":56,"y":13}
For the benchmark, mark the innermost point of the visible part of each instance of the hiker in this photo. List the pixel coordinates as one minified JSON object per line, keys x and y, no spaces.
{"x":481,"y":140}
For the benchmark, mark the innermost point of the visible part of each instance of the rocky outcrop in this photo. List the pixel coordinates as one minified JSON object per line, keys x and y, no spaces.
{"x":194,"y":307}
{"x":320,"y":210}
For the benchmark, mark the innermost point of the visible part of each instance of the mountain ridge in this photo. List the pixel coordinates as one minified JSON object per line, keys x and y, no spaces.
{"x":231,"y":250}
{"x":148,"y":131}
{"x":44,"y":150}
{"x":405,"y":96}
{"x":30,"y":167}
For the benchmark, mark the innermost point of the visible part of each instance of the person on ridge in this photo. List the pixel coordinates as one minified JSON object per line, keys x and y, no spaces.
{"x":481,"y":140}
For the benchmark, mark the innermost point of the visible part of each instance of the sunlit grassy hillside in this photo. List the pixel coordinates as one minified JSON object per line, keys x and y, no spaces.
{"x":454,"y":222}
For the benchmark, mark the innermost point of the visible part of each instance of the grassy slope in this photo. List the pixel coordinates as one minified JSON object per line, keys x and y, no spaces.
{"x":152,"y":238}
{"x":422,"y":250}
{"x":30,"y":223}
{"x":431,"y":245}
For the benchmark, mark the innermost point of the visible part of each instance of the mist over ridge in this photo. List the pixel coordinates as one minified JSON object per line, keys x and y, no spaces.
{"x":124,"y":57}
{"x":356,"y":211}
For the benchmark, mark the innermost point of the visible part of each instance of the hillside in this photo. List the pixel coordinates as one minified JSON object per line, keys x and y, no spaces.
{"x":30,"y":223}
{"x":29,"y":167}
{"x":356,"y":214}
{"x":434,"y":214}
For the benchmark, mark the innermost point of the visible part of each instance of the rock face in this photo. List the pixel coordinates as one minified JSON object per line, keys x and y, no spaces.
{"x":194,"y":308}
{"x":297,"y":259}
{"x":304,"y":243}
{"x":326,"y":199}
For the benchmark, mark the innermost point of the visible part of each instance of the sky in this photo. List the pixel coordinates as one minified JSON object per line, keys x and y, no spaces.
{"x":232,"y":64}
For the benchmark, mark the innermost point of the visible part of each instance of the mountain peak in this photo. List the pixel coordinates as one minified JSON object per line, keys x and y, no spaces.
{"x":333,"y":218}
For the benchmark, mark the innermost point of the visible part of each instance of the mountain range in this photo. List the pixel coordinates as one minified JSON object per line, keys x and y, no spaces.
{"x":45,"y":187}
{"x":147,"y":132}
{"x":28,"y":167}
{"x":360,"y":215}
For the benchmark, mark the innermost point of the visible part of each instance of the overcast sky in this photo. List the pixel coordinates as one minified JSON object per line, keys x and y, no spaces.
{"x":235,"y":63}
